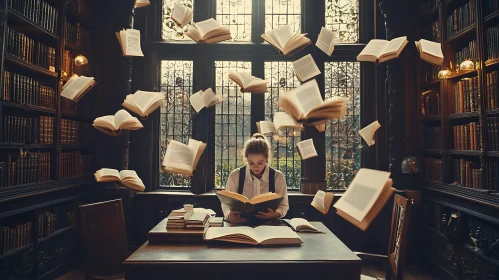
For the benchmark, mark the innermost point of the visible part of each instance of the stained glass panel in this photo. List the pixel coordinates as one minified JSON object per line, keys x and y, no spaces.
{"x":170,"y":30}
{"x":282,"y":12}
{"x":236,"y":15}
{"x":343,"y":15}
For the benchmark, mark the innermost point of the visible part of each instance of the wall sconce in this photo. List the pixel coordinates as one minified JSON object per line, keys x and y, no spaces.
{"x":467,"y":65}
{"x":443,"y":74}
{"x":141,"y":3}
{"x":80,"y":60}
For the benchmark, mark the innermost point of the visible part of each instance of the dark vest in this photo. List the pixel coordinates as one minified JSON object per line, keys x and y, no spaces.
{"x":242,"y":175}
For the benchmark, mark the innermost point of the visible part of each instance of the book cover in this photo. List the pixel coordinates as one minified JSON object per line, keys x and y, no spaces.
{"x":247,"y":207}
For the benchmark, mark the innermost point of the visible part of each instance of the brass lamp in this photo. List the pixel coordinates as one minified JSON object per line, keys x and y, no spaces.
{"x":410,"y":165}
{"x":467,"y":65}
{"x":443,"y":74}
{"x":80,"y":60}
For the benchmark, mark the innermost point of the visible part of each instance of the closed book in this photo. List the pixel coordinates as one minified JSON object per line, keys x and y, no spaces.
{"x":161,"y":234}
{"x":259,"y":203}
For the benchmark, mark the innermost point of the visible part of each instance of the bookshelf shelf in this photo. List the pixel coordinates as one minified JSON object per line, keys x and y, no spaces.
{"x":462,"y":74}
{"x":73,"y":146}
{"x":433,"y":152}
{"x":29,"y":66}
{"x":56,"y":233}
{"x":492,"y":62}
{"x":27,"y":107}
{"x":29,"y":25}
{"x":494,"y":154}
{"x":465,"y":152}
{"x":485,"y":197}
{"x":463,"y":115}
{"x":468,"y":31}
{"x":491,"y":17}
{"x":16,"y":251}
{"x":492,"y":112}
{"x":25,"y":146}
{"x":480,"y":255}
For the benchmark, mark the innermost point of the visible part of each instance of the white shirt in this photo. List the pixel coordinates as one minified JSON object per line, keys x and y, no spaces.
{"x":254,"y":186}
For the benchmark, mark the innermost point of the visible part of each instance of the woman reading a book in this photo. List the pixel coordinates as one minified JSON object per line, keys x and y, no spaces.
{"x":257,"y":178}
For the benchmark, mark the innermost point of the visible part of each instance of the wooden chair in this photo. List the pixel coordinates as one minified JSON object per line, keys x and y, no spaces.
{"x":104,"y":237}
{"x":393,"y":264}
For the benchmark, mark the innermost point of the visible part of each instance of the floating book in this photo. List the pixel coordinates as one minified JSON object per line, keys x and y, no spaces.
{"x":281,"y":120}
{"x":322,"y":201}
{"x":128,"y":178}
{"x":202,"y":99}
{"x":306,"y":149}
{"x":77,"y":86}
{"x":305,"y":68}
{"x":430,"y":51}
{"x":327,"y":40}
{"x":113,"y":123}
{"x":367,"y":133}
{"x":129,"y":40}
{"x":301,"y":225}
{"x":208,"y":31}
{"x":305,"y":103}
{"x":249,"y":207}
{"x":181,"y":14}
{"x":141,"y":3}
{"x":262,"y":235}
{"x":181,"y":158}
{"x":378,"y":50}
{"x":248,"y":83}
{"x":364,"y":198}
{"x":143,"y":103}
{"x":283,"y":39}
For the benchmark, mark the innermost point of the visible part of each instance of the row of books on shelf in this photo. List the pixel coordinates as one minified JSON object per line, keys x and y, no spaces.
{"x":492,"y":34}
{"x":493,"y":133}
{"x":26,"y":130}
{"x":74,"y":164}
{"x":461,"y":17}
{"x":26,"y":90}
{"x":492,"y":99}
{"x":467,"y":136}
{"x":433,"y":169}
{"x":46,"y":223}
{"x":429,"y":72}
{"x":76,"y":34}
{"x":430,"y":103}
{"x":73,"y":132}
{"x":38,"y":11}
{"x":490,"y":6}
{"x":27,"y":49}
{"x":466,"y":173}
{"x":466,"y":53}
{"x":15,"y":236}
{"x":32,"y":167}
{"x":466,"y":95}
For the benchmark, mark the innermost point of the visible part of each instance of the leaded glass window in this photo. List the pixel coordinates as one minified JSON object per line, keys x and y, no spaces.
{"x":170,"y":30}
{"x":282,"y":12}
{"x":343,"y":15}
{"x":236,"y":15}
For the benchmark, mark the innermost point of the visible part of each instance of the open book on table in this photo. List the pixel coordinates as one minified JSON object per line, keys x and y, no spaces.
{"x":129,"y":40}
{"x":261,"y":235}
{"x":202,"y":99}
{"x":364,"y":198}
{"x":240,"y":203}
{"x":327,"y":40}
{"x":367,"y":133}
{"x":285,"y":41}
{"x":430,"y":51}
{"x":128,"y":178}
{"x":248,"y":83}
{"x":301,"y":225}
{"x":305,"y":68}
{"x":208,"y":31}
{"x":143,"y":103}
{"x":305,"y":103}
{"x":306,"y":149}
{"x":281,"y":120}
{"x":322,"y":201}
{"x":77,"y":86}
{"x":121,"y":120}
{"x":181,"y":158}
{"x":378,"y":50}
{"x":181,"y":14}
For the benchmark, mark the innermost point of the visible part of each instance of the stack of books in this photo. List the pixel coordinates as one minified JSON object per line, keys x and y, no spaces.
{"x":177,"y":218}
{"x":197,"y":221}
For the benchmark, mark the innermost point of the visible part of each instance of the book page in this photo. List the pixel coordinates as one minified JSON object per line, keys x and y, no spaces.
{"x":319,"y":199}
{"x":179,"y":12}
{"x":208,"y":97}
{"x":308,"y":95}
{"x":133,"y":43}
{"x":70,"y":81}
{"x":106,"y":121}
{"x":300,"y":224}
{"x":122,"y":116}
{"x":78,"y":85}
{"x":394,"y":45}
{"x":142,"y":99}
{"x":322,"y":201}
{"x":241,"y":234}
{"x":206,"y":26}
{"x":367,"y":133}
{"x":374,"y":48}
{"x":283,"y":119}
{"x":326,"y":40}
{"x":282,"y":35}
{"x":197,"y":101}
{"x":276,"y":235}
{"x":108,"y":172}
{"x":178,"y":155}
{"x":431,"y":48}
{"x":305,"y":68}
{"x":307,"y":149}
{"x":128,"y":174}
{"x":245,"y":78}
{"x":266,"y":127}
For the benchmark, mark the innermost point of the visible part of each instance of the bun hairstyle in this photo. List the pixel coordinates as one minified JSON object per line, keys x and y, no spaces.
{"x":257,"y":144}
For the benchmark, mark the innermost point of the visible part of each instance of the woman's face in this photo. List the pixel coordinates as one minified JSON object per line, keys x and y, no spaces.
{"x":256,"y":162}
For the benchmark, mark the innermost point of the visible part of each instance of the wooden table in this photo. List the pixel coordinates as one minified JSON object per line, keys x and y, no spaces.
{"x":321,"y":256}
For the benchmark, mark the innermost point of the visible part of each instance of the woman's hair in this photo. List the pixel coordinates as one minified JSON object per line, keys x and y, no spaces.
{"x":257,"y":144}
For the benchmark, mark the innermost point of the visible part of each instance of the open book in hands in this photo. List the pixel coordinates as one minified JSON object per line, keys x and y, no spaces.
{"x":262,"y":235}
{"x":129,"y":40}
{"x":248,"y":83}
{"x":121,"y":120}
{"x":378,"y":50}
{"x":143,"y":103}
{"x":430,"y":51}
{"x":327,"y":40}
{"x":77,"y":86}
{"x":367,"y":133}
{"x":202,"y":99}
{"x":181,"y":14}
{"x":305,"y":68}
{"x":305,"y":103}
{"x":322,"y":201}
{"x":281,"y":120}
{"x":306,"y":149}
{"x":301,"y":225}
{"x":181,"y":158}
{"x":283,"y":39}
{"x":240,"y":203}
{"x":128,"y":178}
{"x":208,"y":31}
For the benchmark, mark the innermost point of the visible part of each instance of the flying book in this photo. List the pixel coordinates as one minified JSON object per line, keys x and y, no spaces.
{"x":128,"y":178}
{"x":113,"y":123}
{"x":129,"y":40}
{"x":202,"y":99}
{"x":378,"y":50}
{"x":262,"y":235}
{"x":77,"y":86}
{"x":142,"y":3}
{"x":281,"y":120}
{"x":305,"y":68}
{"x":305,"y":103}
{"x":248,"y":83}
{"x":327,"y":40}
{"x":301,"y":225}
{"x":430,"y":51}
{"x":306,"y":149}
{"x":367,"y":133}
{"x":181,"y":158}
{"x":283,"y":39}
{"x":249,"y":207}
{"x":143,"y":103}
{"x":364,"y":198}
{"x":181,"y":14}
{"x":322,"y":201}
{"x":208,"y":31}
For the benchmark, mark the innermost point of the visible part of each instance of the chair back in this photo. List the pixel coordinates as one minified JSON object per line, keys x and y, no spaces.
{"x":104,"y":236}
{"x":398,"y":235}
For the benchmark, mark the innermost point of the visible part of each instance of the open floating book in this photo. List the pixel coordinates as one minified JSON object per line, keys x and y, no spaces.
{"x":128,"y":178}
{"x":366,"y":195}
{"x":240,"y":203}
{"x":430,"y":51}
{"x":181,"y":158}
{"x":306,"y":149}
{"x":281,"y":120}
{"x":181,"y":14}
{"x":367,"y":133}
{"x":129,"y":40}
{"x":76,"y":86}
{"x":305,"y":103}
{"x":301,"y":225}
{"x":305,"y":68}
{"x":121,"y":120}
{"x":202,"y":99}
{"x":378,"y":50}
{"x":143,"y":103}
{"x":141,"y":3}
{"x":327,"y":40}
{"x":248,"y":83}
{"x":283,"y":39}
{"x":208,"y":31}
{"x":322,"y":201}
{"x":263,"y":235}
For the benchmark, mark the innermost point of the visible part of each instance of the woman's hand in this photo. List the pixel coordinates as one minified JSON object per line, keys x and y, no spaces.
{"x":235,"y":217}
{"x":270,"y":215}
